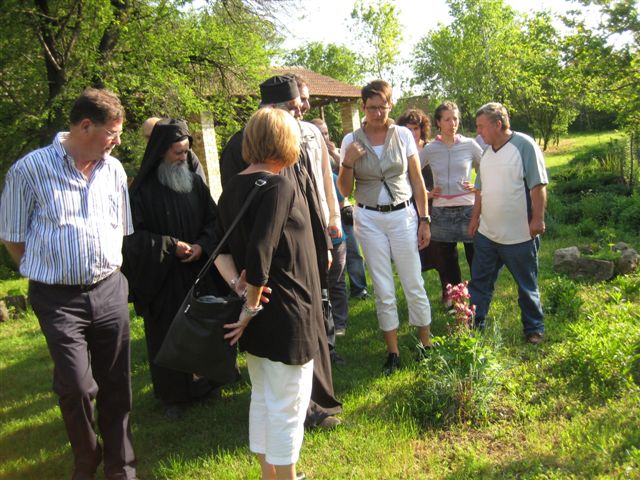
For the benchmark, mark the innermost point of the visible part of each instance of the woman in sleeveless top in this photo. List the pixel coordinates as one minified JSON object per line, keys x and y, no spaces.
{"x":382,"y":159}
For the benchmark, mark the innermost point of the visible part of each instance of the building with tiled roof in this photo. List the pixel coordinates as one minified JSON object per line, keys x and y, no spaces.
{"x":323,"y":91}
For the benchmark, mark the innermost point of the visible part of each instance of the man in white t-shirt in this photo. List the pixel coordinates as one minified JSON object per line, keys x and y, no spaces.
{"x":508,"y":217}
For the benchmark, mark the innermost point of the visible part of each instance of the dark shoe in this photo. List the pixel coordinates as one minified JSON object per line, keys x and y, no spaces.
{"x":202,"y":390}
{"x":329,"y":422}
{"x":535,"y":338}
{"x":174,"y":412}
{"x":341,"y":331}
{"x":337,"y":359}
{"x":363,"y":295}
{"x":392,"y":364}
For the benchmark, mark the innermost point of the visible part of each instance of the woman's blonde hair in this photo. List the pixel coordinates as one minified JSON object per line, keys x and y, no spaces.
{"x":271,"y":135}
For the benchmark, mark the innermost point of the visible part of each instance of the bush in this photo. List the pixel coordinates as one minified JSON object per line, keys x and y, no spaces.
{"x":561,"y":299}
{"x":457,"y":381}
{"x":598,"y":360}
{"x":587,"y":227}
{"x":8,"y":269}
{"x":629,"y":218}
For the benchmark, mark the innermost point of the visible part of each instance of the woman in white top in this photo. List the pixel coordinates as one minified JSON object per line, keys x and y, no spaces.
{"x":382,"y":158}
{"x":451,"y":157}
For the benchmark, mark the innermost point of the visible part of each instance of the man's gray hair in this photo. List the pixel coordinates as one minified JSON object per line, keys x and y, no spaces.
{"x":279,"y":105}
{"x":495,"y":111}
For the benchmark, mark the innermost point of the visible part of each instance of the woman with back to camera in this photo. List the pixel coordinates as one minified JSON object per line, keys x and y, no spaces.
{"x":451,"y":157}
{"x":271,"y":243}
{"x":382,"y":158}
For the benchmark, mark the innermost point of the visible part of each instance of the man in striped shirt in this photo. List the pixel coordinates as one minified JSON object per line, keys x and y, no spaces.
{"x":64,"y":212}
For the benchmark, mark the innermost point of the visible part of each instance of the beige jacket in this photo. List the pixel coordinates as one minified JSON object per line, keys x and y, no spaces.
{"x":322,"y":175}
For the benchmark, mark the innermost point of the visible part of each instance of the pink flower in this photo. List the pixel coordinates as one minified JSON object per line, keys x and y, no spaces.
{"x":459,"y":296}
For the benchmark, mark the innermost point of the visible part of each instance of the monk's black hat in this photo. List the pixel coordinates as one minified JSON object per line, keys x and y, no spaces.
{"x":278,"y":89}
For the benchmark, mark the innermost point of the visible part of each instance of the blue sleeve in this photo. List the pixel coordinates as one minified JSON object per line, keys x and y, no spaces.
{"x":535,"y":172}
{"x":15,"y":207}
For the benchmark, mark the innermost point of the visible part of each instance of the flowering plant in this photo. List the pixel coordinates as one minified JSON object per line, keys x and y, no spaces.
{"x":459,"y":296}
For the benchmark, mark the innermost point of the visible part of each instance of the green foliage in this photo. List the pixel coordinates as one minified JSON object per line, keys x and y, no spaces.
{"x":335,"y":61}
{"x":456,"y":381}
{"x":603,"y":349}
{"x":541,"y":91}
{"x":332,"y":60}
{"x":162,"y":58}
{"x":628,"y":286}
{"x":606,"y":73}
{"x":629,"y":216}
{"x":561,"y":299}
{"x":470,"y":60}
{"x":376,"y":23}
{"x":8,"y":268}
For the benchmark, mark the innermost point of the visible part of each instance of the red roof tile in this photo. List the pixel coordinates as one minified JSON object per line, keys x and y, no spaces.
{"x":321,"y":85}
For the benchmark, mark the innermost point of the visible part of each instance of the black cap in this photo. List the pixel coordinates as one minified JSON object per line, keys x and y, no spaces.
{"x":278,"y":89}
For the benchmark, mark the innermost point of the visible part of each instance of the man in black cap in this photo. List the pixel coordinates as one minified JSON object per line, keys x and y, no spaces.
{"x":173,"y":217}
{"x":281,"y":91}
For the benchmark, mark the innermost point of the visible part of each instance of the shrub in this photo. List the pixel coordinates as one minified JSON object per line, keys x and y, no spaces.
{"x":587,"y":227}
{"x":629,"y":218}
{"x":456,"y":382}
{"x":561,"y":299}
{"x":8,"y":269}
{"x":598,"y":359}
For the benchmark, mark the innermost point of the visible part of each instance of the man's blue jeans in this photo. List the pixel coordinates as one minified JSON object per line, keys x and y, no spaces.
{"x":521,"y":260}
{"x":355,"y":263}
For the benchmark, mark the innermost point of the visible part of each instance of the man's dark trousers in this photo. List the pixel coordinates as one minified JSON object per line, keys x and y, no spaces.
{"x":87,"y":332}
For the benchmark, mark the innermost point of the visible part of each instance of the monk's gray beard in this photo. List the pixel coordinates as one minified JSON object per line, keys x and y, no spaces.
{"x":175,"y":176}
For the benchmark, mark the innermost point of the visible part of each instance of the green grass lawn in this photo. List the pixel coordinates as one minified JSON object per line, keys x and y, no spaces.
{"x":567,"y":409}
{"x":559,"y":155}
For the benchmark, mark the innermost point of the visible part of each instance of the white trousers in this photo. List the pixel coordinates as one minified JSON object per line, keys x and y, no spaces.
{"x":386,"y":236}
{"x":279,"y":399}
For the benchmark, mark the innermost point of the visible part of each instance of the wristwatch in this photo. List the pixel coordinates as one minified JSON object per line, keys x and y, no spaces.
{"x":426,"y":219}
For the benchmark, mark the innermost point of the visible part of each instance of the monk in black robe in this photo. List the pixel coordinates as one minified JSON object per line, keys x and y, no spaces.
{"x":323,"y":405}
{"x":173,"y":218}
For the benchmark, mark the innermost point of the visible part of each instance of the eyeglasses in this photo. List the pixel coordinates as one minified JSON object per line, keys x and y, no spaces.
{"x":112,"y":135}
{"x":381,"y":109}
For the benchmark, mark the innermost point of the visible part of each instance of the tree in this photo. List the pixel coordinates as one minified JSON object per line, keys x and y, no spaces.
{"x":470,"y":60}
{"x":608,"y":72}
{"x":161,"y":57}
{"x":332,"y":60}
{"x":542,"y":91}
{"x":489,"y":53}
{"x":378,"y":27}
{"x":335,"y":61}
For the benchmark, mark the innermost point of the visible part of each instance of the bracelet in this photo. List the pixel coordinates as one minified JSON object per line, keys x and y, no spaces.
{"x":251,"y":311}
{"x":350,"y":167}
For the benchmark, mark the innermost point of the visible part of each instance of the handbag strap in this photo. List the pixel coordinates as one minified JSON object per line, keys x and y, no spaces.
{"x":254,"y":191}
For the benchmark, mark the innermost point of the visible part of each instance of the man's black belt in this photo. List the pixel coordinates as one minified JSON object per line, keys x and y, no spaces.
{"x":77,"y":288}
{"x":386,"y":208}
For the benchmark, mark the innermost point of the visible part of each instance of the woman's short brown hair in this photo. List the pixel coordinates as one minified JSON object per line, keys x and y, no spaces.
{"x":415,"y":116}
{"x":271,"y":135}
{"x":377,"y":87}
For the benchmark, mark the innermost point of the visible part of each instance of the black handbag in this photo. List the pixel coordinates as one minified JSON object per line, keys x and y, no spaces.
{"x":195,"y":341}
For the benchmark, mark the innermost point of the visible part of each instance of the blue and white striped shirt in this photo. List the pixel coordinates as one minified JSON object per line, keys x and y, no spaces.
{"x":72,"y":227}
